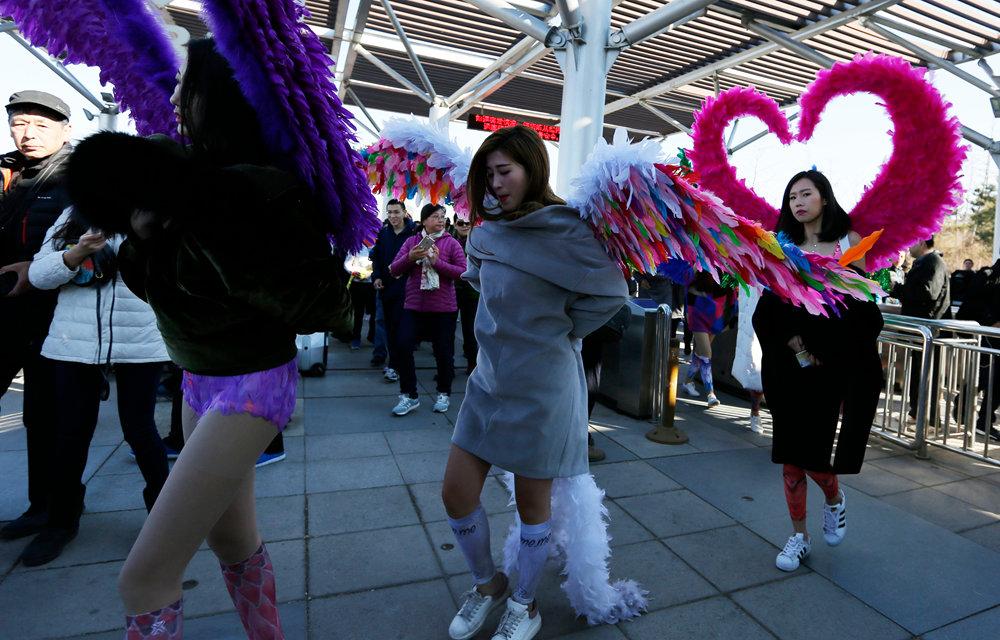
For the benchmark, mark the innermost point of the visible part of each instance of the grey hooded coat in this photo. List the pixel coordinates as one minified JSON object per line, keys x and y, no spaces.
{"x":545,"y":283}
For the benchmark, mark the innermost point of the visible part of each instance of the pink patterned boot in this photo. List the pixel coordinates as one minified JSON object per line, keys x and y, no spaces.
{"x":164,"y":624}
{"x":251,"y":586}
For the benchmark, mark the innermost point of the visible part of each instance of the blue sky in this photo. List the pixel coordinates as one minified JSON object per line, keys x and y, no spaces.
{"x":850,"y":144}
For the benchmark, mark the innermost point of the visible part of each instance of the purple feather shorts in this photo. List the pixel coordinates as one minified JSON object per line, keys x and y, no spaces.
{"x":263,"y":394}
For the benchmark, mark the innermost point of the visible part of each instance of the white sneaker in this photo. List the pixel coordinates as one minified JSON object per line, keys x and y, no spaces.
{"x":690,"y":389}
{"x":390,"y":375}
{"x":442,"y":403}
{"x":755,"y":425}
{"x":796,"y":550}
{"x":475,"y":608}
{"x":406,"y":405}
{"x":835,"y":521}
{"x":713,"y":401}
{"x":517,"y":623}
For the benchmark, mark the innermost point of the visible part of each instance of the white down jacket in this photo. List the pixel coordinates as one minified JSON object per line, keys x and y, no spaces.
{"x":74,"y":335}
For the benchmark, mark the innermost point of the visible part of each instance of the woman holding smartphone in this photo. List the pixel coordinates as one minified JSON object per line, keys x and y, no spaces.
{"x":432,"y":261}
{"x":818,"y":371}
{"x":98,"y":325}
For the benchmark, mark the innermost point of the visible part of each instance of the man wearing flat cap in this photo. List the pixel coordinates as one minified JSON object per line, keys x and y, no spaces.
{"x":32,"y":198}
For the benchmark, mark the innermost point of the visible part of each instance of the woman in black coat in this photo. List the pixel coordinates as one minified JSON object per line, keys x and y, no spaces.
{"x":818,"y":371}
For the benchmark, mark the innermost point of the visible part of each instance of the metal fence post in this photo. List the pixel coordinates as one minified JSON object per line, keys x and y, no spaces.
{"x":665,"y":378}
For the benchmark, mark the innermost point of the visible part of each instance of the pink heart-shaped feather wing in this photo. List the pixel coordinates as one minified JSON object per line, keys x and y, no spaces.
{"x":914,"y":191}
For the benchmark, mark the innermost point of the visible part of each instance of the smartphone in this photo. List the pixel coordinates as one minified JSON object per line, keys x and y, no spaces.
{"x":426,"y":243}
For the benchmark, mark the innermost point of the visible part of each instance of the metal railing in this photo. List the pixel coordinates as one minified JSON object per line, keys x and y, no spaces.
{"x":951,"y":366}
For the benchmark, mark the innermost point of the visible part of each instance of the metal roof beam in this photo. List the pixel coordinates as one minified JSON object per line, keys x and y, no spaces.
{"x":356,"y":100}
{"x":932,"y":59}
{"x":981,"y":140}
{"x":666,"y":117}
{"x":754,"y":138}
{"x":532,"y":56}
{"x":56,"y":67}
{"x":346,"y":39}
{"x":985,"y":66}
{"x":658,"y":21}
{"x":414,"y":58}
{"x":514,"y":53}
{"x":523,"y":22}
{"x":747,"y":55}
{"x":536,"y":8}
{"x":784,"y":41}
{"x":569,"y":12}
{"x":923,"y":35}
{"x":395,"y":75}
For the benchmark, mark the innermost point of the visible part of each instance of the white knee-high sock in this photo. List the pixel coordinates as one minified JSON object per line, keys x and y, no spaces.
{"x":473,"y":536}
{"x":531,"y":559}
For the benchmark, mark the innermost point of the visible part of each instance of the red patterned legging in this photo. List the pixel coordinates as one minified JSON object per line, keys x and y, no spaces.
{"x":795,"y":488}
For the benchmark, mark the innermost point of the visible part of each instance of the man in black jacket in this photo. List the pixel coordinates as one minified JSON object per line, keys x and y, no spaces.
{"x":961,"y":280}
{"x":925,"y":293}
{"x":391,"y":291}
{"x":33,"y":197}
{"x":982,"y":305}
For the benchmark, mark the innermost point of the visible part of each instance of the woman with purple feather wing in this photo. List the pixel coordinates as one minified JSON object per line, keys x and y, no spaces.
{"x":233,"y":256}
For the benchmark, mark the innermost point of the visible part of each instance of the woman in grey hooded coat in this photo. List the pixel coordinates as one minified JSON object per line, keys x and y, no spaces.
{"x":545,"y":283}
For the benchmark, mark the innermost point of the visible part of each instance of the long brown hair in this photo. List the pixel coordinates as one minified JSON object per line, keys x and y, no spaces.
{"x":525,"y":147}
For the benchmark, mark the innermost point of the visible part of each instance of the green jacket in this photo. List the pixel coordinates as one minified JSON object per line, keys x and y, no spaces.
{"x":236,"y":277}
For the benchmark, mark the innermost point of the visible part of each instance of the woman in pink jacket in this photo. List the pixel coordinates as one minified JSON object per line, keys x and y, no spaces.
{"x":432,"y":261}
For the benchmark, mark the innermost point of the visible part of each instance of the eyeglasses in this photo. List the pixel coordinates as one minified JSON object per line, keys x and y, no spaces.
{"x":437,"y":216}
{"x":461,"y":223}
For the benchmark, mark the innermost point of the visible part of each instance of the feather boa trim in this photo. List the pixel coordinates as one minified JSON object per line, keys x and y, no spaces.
{"x":580,"y":536}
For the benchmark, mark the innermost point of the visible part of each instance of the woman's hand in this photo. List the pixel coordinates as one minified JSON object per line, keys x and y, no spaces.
{"x":21,"y":269}
{"x":798,"y":346}
{"x":416,"y":253}
{"x":89,"y":244}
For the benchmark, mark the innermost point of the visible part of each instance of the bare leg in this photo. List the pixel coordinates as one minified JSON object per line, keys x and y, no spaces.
{"x":755,"y":399}
{"x":703,"y":345}
{"x":534,"y":499}
{"x":210,"y":474}
{"x":464,"y":478}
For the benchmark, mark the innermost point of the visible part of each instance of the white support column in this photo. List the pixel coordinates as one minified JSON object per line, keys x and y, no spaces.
{"x":108,"y":119}
{"x":440,"y":116}
{"x":585,"y":68}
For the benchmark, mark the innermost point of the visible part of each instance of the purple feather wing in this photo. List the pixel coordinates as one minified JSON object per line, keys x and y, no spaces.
{"x":121,"y":37}
{"x":284,"y":71}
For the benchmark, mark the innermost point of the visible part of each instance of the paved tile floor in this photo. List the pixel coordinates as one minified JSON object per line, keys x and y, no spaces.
{"x":357,"y":532}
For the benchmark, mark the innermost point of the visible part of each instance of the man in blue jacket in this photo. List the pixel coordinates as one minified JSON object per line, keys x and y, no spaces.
{"x":391,"y":291}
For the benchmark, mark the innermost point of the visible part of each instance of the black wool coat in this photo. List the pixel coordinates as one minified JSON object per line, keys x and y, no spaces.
{"x":807,"y":403}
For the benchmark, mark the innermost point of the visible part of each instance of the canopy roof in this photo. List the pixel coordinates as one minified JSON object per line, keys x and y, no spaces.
{"x":653,"y":86}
